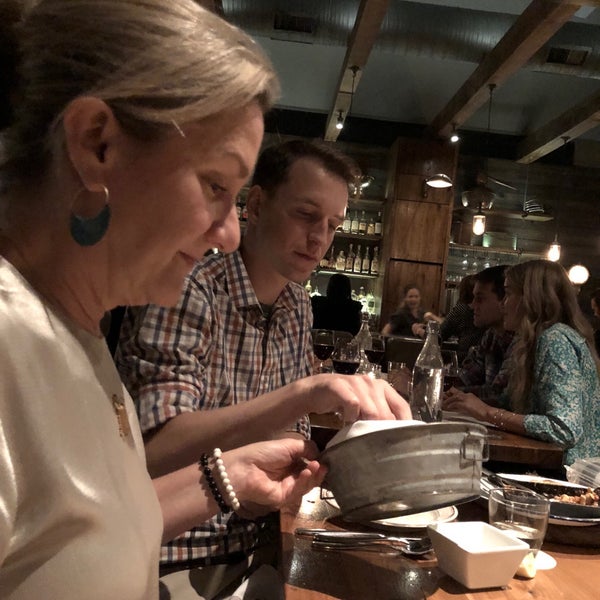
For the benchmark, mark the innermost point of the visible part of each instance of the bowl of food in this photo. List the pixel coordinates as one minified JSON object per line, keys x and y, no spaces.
{"x":477,"y":554}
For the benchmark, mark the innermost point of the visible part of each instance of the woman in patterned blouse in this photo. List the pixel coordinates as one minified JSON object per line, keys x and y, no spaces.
{"x":554,"y":387}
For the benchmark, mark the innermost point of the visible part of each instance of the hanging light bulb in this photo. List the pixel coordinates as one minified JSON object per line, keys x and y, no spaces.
{"x":479,"y":223}
{"x":454,"y":137}
{"x":578,"y":274}
{"x":340,"y":120}
{"x":553,"y":253}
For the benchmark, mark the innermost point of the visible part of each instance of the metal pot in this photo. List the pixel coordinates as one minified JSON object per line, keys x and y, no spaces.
{"x":410,"y":469}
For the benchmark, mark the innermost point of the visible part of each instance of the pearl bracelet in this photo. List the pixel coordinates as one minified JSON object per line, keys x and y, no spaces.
{"x":224,"y":507}
{"x":231,"y":495}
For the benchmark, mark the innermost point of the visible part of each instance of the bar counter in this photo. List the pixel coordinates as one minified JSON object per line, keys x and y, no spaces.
{"x":362,"y":575}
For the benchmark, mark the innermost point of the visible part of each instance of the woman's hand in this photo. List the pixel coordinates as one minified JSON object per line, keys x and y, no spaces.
{"x":352,"y":396}
{"x":419,"y":329}
{"x":269,"y":475}
{"x":466,"y":403}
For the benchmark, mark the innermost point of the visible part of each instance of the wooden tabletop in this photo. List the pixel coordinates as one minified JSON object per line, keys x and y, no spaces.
{"x":320,"y":575}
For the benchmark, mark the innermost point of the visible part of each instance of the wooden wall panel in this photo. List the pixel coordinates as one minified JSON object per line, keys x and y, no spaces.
{"x":420,"y":232}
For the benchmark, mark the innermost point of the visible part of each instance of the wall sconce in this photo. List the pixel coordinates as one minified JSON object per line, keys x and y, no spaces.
{"x":553,"y":253}
{"x":340,"y":120}
{"x":479,"y":223}
{"x":578,"y":274}
{"x":454,"y":137}
{"x":438,"y":181}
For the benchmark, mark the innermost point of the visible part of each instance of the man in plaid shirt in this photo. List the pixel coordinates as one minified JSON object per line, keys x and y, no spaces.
{"x":240,"y":330}
{"x":486,"y":367}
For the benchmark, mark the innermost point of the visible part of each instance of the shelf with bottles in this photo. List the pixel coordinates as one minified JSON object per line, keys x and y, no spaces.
{"x":362,"y":223}
{"x":362,"y":263}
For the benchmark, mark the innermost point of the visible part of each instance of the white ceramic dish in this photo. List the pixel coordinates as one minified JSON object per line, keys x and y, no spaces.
{"x":477,"y":554}
{"x":416,"y":521}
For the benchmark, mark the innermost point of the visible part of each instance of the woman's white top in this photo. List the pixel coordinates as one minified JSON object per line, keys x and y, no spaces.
{"x":79,"y":517}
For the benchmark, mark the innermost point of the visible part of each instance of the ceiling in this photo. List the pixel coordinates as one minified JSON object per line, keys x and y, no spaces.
{"x":429,"y":63}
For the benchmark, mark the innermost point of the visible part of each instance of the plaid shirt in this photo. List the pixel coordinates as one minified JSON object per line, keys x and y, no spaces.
{"x":214,"y":349}
{"x":485,"y":370}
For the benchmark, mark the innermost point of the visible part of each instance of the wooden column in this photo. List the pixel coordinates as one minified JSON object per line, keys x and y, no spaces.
{"x":417,"y":222}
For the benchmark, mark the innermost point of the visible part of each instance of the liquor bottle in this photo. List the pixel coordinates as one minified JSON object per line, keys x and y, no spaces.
{"x":375,"y":262}
{"x":332,"y":257}
{"x":350,"y":260}
{"x":362,"y":224}
{"x":371,"y":227}
{"x":324,"y":262}
{"x":378,"y":224}
{"x":340,"y":261}
{"x":364,"y":341}
{"x":347,"y":224}
{"x":427,"y":378}
{"x":366,"y":262}
{"x":354,"y":224}
{"x":357,"y":261}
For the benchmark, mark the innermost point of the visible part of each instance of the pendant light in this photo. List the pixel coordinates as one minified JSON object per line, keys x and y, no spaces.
{"x":553,"y":253}
{"x":479,"y":223}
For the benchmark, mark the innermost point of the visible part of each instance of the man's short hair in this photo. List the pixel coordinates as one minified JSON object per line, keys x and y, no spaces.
{"x":275,"y":162}
{"x":495,"y":276}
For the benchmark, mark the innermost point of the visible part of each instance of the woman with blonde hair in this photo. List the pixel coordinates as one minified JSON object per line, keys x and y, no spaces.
{"x":134,"y":125}
{"x":554,"y":389}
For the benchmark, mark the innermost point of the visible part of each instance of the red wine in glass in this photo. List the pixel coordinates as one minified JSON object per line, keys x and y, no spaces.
{"x":323,"y":351}
{"x":375,"y":356}
{"x":452,"y":381}
{"x":345,"y":367}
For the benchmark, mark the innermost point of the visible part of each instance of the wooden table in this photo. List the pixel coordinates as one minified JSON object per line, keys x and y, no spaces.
{"x":361,"y":575}
{"x":504,"y":447}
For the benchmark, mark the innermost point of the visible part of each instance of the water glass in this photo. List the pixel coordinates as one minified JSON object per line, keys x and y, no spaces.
{"x":522,"y":513}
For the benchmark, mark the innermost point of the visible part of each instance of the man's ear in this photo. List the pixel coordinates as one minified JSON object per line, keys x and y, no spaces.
{"x":90,"y":128}
{"x":254,"y":199}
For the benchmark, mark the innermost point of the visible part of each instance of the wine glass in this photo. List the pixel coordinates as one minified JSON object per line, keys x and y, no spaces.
{"x":322,"y":345}
{"x":376,"y":352}
{"x":451,"y":370}
{"x":346,"y":356}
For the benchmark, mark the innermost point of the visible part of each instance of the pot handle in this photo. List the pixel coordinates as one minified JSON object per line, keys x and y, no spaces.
{"x":474,"y":448}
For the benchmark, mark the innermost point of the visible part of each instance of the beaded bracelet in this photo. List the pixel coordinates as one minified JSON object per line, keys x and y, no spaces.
{"x":500,"y":423}
{"x":212,"y":484}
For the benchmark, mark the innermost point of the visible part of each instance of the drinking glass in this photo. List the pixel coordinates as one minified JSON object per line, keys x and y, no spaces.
{"x":451,"y":370}
{"x":346,"y":356}
{"x":322,"y":345}
{"x":521,"y":513}
{"x":376,"y":352}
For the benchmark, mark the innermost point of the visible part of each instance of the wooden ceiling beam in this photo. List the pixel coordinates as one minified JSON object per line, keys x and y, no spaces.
{"x":566,"y":127}
{"x":536,"y":25}
{"x":369,"y":17}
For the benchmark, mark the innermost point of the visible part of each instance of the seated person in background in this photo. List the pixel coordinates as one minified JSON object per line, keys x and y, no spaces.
{"x":595,"y":303}
{"x":410,"y":319}
{"x":240,"y":330}
{"x":337,"y":310}
{"x":554,"y":387}
{"x":459,"y":320}
{"x":484,"y":371}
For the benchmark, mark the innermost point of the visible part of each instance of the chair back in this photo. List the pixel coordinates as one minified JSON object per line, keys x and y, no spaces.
{"x":402,"y":349}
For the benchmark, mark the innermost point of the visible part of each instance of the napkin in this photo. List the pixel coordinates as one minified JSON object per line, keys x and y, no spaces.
{"x":362,"y":427}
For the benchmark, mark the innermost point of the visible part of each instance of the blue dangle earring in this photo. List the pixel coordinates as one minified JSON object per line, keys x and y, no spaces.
{"x":87,"y":232}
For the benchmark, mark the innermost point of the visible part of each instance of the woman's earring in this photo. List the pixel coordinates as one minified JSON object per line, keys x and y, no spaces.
{"x":87,"y":232}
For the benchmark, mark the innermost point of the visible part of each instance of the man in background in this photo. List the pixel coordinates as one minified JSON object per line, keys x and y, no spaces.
{"x":198,"y":372}
{"x":485,"y":370}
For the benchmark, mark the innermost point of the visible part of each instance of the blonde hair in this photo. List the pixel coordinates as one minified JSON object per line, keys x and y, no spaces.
{"x":155,"y":63}
{"x":547,"y":298}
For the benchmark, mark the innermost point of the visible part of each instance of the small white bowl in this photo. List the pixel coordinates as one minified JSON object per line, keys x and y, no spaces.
{"x":477,"y":554}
